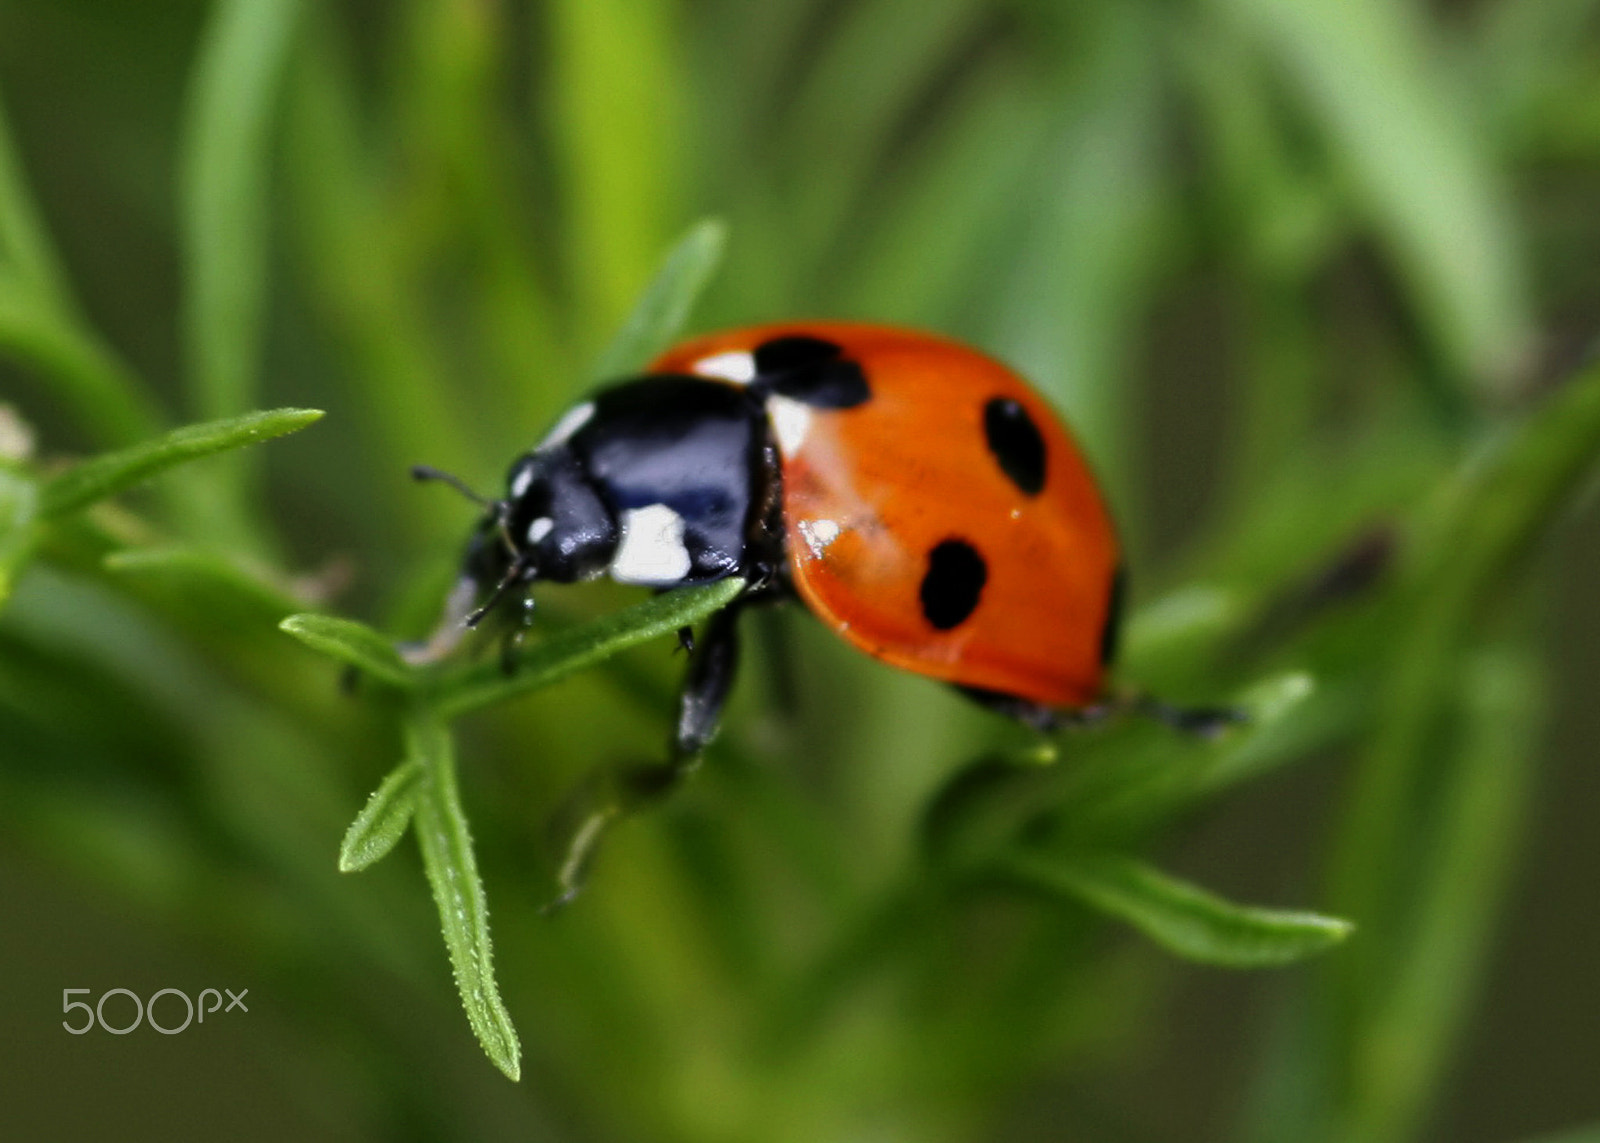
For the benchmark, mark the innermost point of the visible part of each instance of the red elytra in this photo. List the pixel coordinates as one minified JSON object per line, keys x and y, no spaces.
{"x":949,"y":524}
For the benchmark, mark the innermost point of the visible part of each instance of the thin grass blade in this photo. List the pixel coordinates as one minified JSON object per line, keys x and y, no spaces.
{"x":1181,"y":917}
{"x":664,"y":307}
{"x":110,"y":473}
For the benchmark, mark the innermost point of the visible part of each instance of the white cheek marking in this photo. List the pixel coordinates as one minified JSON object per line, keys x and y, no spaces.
{"x":651,"y":549}
{"x":539,"y":529}
{"x":790,"y":421}
{"x":571,"y":421}
{"x":818,"y":534}
{"x":520,"y":482}
{"x":735,"y":365}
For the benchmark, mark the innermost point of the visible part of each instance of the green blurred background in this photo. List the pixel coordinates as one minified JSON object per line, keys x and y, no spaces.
{"x":1295,"y":269}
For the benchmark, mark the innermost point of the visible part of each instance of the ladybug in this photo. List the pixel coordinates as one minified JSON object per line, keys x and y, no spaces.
{"x":918,"y":496}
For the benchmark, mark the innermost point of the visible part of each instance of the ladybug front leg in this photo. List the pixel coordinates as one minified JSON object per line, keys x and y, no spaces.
{"x":618,"y":791}
{"x":713,"y":663}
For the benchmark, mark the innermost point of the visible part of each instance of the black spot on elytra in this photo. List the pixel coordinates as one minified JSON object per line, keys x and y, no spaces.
{"x":954,"y":581}
{"x":1111,"y":633}
{"x":1016,"y":444}
{"x":810,"y":370}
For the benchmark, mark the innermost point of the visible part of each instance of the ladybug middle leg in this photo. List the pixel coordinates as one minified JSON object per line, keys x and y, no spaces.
{"x":621,"y":790}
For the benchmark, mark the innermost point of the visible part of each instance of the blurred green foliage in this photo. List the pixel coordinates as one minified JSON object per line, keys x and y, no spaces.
{"x":1351,"y":241}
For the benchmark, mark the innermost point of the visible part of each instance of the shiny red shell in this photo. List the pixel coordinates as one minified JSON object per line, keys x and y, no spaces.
{"x":869,"y":493}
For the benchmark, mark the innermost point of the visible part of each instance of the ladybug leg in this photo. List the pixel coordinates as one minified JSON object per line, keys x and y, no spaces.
{"x":1202,"y":722}
{"x":1035,"y":716}
{"x":713,"y":663}
{"x":622,"y":790}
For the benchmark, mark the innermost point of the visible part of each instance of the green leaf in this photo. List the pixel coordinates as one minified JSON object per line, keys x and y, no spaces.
{"x":579,"y":647}
{"x":457,"y":889}
{"x":1497,"y":509}
{"x":195,"y":571}
{"x":105,"y":475}
{"x":226,"y":147}
{"x":383,"y":819}
{"x":1366,"y":72}
{"x":83,"y":373}
{"x":19,"y":505}
{"x":1182,"y":918}
{"x":23,"y":241}
{"x":1588,"y":1134}
{"x":353,"y":643}
{"x":616,"y":90}
{"x":666,"y":302}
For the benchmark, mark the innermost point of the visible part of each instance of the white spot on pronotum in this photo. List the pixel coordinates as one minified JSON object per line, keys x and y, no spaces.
{"x":735,"y":365}
{"x":651,"y":549}
{"x":818,"y":534}
{"x":520,"y":482}
{"x":571,"y":421}
{"x":539,"y":529}
{"x":790,"y":421}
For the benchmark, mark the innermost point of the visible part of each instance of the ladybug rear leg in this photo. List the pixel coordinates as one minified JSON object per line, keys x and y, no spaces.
{"x":1202,"y":722}
{"x":622,"y":790}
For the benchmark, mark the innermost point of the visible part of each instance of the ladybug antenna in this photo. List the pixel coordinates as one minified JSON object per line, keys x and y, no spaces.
{"x":424,"y":472}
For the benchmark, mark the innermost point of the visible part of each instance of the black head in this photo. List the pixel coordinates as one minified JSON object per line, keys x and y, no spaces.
{"x":553,"y":522}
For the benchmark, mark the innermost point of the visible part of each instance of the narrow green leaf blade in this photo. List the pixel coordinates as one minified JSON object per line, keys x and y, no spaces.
{"x":113,"y":472}
{"x":1181,"y":917}
{"x":457,"y":889}
{"x":226,"y":148}
{"x":19,"y":502}
{"x":1588,"y":1134}
{"x":82,"y":372}
{"x":383,"y":819}
{"x":201,"y":574}
{"x":616,"y":95}
{"x":578,"y":647}
{"x":23,"y":240}
{"x":1423,"y":174}
{"x":353,"y":643}
{"x":666,"y":302}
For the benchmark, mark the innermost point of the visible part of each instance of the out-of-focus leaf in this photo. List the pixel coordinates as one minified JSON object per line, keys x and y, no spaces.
{"x":353,"y":643}
{"x":113,"y":472}
{"x":1415,"y":162}
{"x":1406,"y":1028}
{"x":24,"y":246}
{"x":664,"y":307}
{"x":617,"y":84}
{"x":1589,"y":1134}
{"x":1094,"y":241}
{"x":582,"y":646}
{"x":452,"y":871}
{"x":226,"y":145}
{"x":383,"y":820}
{"x":1499,"y":507}
{"x":360,"y":247}
{"x":19,"y":505}
{"x":195,"y":568}
{"x":859,"y":90}
{"x":81,"y":371}
{"x":1183,"y":918}
{"x":911,"y":266}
